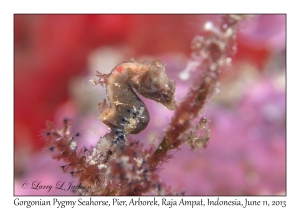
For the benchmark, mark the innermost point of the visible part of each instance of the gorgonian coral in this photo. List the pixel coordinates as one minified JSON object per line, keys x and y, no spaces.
{"x":118,"y":165}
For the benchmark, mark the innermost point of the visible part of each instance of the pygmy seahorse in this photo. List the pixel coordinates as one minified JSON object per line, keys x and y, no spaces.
{"x":127,"y":113}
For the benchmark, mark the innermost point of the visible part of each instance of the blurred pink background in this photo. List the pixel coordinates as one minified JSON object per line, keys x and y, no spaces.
{"x":56,"y":55}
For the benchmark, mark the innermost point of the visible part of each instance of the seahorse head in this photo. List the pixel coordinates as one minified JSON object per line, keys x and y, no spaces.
{"x":156,"y":85}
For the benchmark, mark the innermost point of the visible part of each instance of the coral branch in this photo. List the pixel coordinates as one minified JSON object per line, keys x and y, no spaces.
{"x":215,"y":52}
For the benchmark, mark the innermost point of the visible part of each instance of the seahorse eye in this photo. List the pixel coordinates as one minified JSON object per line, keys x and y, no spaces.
{"x":165,"y":97}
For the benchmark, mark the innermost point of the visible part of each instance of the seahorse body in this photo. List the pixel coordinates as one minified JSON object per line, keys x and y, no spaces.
{"x":127,"y":114}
